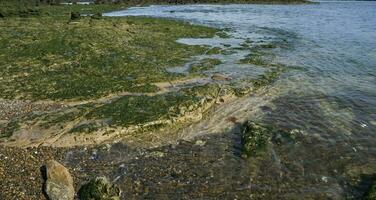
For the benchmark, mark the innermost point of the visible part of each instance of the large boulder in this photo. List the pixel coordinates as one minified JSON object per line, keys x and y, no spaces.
{"x":59,"y":182}
{"x":99,"y":189}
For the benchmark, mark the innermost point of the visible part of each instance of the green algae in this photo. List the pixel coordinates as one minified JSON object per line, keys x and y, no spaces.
{"x":267,"y":78}
{"x":137,"y":110}
{"x":260,"y":54}
{"x":85,"y":128}
{"x":204,"y":64}
{"x":254,"y":138}
{"x":7,"y":130}
{"x":99,"y":189}
{"x":49,"y":58}
{"x":54,"y":57}
{"x":148,"y":112}
{"x":214,"y":50}
{"x":62,"y":117}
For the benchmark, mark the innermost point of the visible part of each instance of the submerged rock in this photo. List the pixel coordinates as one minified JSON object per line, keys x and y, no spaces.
{"x":219,"y":77}
{"x":75,"y":15}
{"x":99,"y":189}
{"x":59,"y":182}
{"x":254,"y":137}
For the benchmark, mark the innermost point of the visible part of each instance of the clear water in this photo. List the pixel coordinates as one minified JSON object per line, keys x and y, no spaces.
{"x":329,"y":101}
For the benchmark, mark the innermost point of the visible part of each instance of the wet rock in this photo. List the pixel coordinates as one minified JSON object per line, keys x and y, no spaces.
{"x":99,"y":189}
{"x":219,"y":77}
{"x":254,"y":137}
{"x":59,"y":182}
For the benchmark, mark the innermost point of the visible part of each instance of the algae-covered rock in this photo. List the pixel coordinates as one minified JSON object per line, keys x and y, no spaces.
{"x":59,"y":182}
{"x":203,"y":65}
{"x":254,"y":137}
{"x":371,"y":194}
{"x":99,"y":189}
{"x":75,"y":15}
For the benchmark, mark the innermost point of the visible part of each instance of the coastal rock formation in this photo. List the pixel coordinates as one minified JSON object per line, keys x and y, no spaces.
{"x":99,"y":189}
{"x":59,"y":182}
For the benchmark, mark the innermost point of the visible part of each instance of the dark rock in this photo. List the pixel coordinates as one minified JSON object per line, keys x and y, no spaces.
{"x":75,"y":15}
{"x":99,"y":189}
{"x":59,"y":182}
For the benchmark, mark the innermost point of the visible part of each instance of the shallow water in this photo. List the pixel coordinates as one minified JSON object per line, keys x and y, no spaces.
{"x":329,"y":101}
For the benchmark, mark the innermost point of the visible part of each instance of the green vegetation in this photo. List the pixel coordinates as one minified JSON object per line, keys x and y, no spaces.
{"x":105,"y":70}
{"x":139,"y":110}
{"x":268,"y":77}
{"x":254,"y":137}
{"x":214,"y":50}
{"x":126,"y":111}
{"x":52,"y":58}
{"x":9,"y":129}
{"x":134,"y":110}
{"x":203,"y":65}
{"x":259,"y":56}
{"x":85,"y":128}
{"x":99,"y":189}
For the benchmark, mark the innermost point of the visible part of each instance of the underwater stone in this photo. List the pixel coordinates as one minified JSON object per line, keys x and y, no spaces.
{"x":99,"y":189}
{"x":219,"y":77}
{"x":254,"y":137}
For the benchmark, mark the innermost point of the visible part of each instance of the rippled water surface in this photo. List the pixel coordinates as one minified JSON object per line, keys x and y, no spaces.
{"x":329,"y":101}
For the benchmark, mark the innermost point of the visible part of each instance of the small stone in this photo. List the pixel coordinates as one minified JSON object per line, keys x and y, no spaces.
{"x":59,"y":182}
{"x":99,"y":189}
{"x":219,"y":77}
{"x":200,"y":143}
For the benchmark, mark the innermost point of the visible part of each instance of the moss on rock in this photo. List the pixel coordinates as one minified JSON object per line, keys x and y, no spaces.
{"x":53,"y":59}
{"x":254,"y":137}
{"x":99,"y":189}
{"x":203,"y":65}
